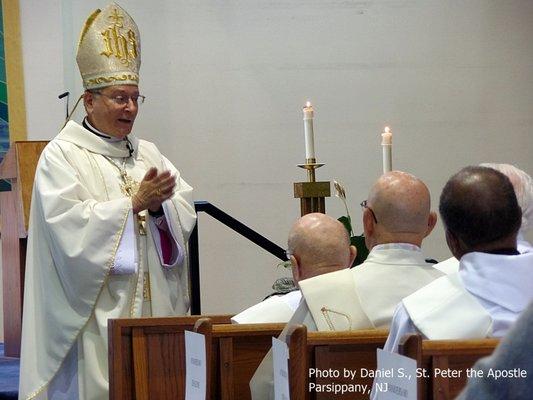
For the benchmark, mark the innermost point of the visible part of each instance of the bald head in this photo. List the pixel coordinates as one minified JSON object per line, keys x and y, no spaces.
{"x":479,"y":208}
{"x":401,"y":205}
{"x":319,"y":244}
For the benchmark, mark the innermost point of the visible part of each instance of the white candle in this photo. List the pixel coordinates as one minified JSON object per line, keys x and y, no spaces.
{"x":308,"y":131}
{"x":386,"y":144}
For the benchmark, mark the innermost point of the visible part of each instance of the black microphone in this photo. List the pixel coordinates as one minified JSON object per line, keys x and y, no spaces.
{"x":129,"y":146}
{"x":62,"y":95}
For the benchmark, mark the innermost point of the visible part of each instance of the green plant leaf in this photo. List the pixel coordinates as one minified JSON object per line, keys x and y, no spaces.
{"x":362,"y":251}
{"x":285,"y":264}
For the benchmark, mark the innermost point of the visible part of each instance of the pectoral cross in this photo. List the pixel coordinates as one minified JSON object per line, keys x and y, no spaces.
{"x":141,"y":222}
{"x":129,"y":187}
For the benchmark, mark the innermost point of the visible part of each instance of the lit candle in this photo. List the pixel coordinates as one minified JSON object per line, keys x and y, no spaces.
{"x":308,"y":131}
{"x":386,"y":144}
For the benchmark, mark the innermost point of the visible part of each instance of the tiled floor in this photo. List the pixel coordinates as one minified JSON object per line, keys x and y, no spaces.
{"x":9,"y":376}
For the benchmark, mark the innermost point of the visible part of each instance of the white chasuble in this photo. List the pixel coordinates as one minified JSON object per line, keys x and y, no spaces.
{"x":334,"y":302}
{"x":274,"y":309}
{"x":482,"y":299}
{"x":364,"y":297}
{"x":262,"y":382}
{"x":87,"y":260}
{"x":444,"y":309}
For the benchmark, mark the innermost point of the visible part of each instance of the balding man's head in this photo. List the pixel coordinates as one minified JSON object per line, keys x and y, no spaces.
{"x":479,"y":209}
{"x":318,"y":244}
{"x":400,"y":203}
{"x":523,"y":189}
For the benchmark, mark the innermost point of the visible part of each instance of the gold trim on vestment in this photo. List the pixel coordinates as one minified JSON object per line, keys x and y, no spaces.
{"x":109,"y":264}
{"x":139,"y":272}
{"x":101,"y":174}
{"x":147,"y":292}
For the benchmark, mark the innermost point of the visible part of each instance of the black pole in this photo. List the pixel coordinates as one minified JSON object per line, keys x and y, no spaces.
{"x":194,"y":248}
{"x":194,"y":271}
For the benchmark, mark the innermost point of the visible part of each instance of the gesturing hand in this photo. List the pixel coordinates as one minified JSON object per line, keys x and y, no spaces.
{"x":154,"y":189}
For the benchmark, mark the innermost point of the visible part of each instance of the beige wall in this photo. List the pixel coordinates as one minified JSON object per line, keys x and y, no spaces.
{"x":225,"y":83}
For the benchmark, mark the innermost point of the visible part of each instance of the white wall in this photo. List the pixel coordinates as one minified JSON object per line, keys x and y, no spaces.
{"x":225,"y":82}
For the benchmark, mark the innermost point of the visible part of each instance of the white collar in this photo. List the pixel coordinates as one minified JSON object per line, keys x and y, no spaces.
{"x":503,"y":279}
{"x":78,"y":135}
{"x":103,"y":135}
{"x":402,"y":246}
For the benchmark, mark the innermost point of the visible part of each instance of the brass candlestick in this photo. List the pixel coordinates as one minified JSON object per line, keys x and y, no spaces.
{"x":312,"y":194}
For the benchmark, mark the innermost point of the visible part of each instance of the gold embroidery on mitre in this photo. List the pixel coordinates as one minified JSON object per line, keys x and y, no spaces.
{"x":112,"y":79}
{"x":117,"y":41}
{"x":88,"y":24}
{"x":109,"y":49}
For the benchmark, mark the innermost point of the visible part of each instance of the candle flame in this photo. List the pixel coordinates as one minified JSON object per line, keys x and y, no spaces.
{"x":308,"y":104}
{"x":387,"y":129}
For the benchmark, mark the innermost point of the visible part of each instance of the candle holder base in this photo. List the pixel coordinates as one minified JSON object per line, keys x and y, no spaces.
{"x":312,"y":196}
{"x":310,"y":165}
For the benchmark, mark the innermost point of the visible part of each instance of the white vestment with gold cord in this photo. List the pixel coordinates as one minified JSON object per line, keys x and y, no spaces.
{"x":365,"y":296}
{"x":82,"y":233}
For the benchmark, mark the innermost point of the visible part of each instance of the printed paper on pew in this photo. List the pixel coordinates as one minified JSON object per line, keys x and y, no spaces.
{"x":195,"y":366}
{"x":280,"y":355}
{"x":395,"y":377}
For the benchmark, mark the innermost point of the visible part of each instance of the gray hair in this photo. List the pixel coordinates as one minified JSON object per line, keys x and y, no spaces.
{"x":523,"y":188}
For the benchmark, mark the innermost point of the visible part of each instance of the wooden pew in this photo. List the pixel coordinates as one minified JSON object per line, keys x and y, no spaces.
{"x":456,"y":355}
{"x":147,"y":356}
{"x":234,"y":352}
{"x":353,"y":350}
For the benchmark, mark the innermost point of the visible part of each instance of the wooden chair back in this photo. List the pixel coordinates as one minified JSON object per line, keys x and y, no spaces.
{"x":234,"y":352}
{"x":147,"y":356}
{"x":444,"y":362}
{"x":332,"y":351}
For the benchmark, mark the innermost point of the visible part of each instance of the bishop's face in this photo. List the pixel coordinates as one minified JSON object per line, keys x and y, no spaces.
{"x":112,"y":110}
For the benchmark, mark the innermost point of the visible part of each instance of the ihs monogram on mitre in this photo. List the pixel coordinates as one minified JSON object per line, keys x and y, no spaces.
{"x":118,"y":41}
{"x":109,"y":49}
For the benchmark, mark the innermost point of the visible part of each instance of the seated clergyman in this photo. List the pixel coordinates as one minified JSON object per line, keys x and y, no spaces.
{"x":494,"y":283}
{"x":317,"y":244}
{"x":523,"y":188}
{"x":396,"y":219}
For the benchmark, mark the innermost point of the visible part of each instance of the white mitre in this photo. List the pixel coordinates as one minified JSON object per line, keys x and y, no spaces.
{"x":109,"y":49}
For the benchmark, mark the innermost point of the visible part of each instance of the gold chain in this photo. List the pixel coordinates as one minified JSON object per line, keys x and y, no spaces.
{"x":325,"y":312}
{"x":129,"y":187}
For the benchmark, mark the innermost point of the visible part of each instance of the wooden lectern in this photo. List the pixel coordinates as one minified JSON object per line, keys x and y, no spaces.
{"x":18,"y":169}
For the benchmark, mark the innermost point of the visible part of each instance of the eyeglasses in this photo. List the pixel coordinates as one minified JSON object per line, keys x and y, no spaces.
{"x":123,"y":100}
{"x":364,"y":204}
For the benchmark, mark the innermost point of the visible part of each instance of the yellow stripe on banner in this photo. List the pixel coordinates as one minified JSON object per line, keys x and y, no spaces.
{"x":14,"y":70}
